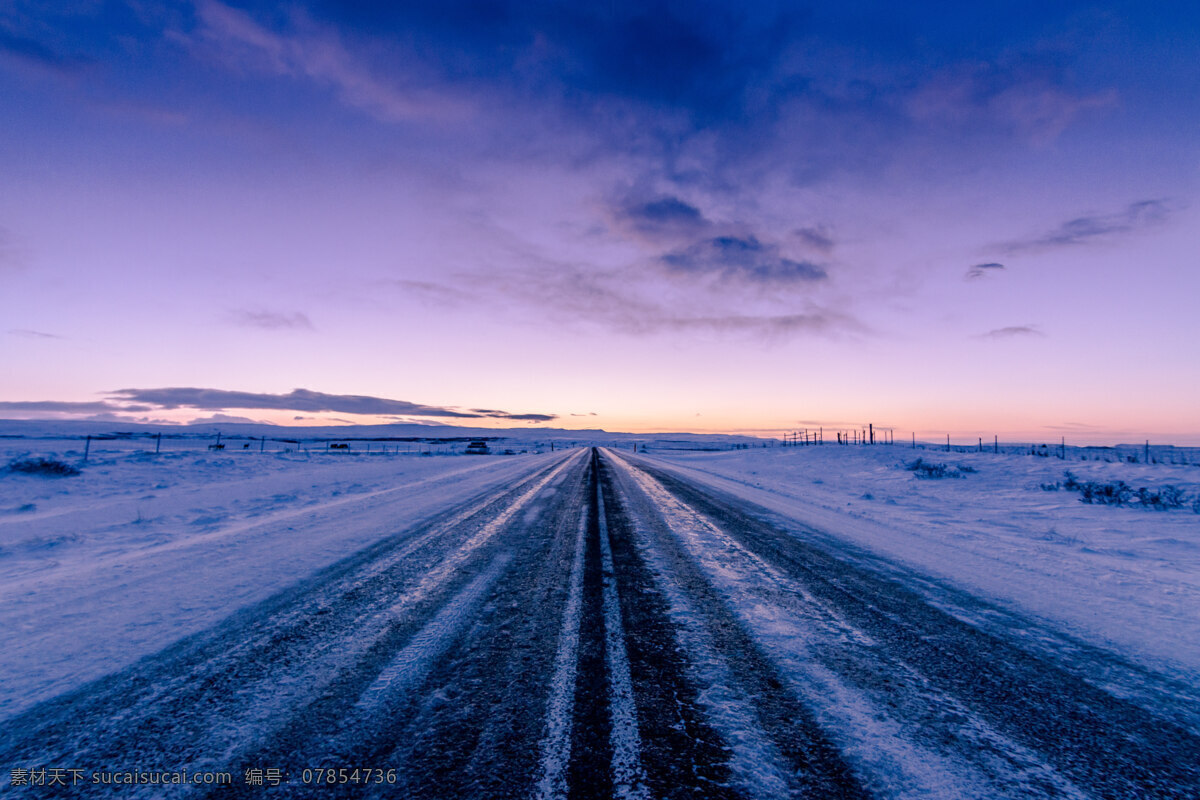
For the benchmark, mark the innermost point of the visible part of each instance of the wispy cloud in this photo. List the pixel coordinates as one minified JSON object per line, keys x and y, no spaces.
{"x":817,"y":238}
{"x":1012,"y":331}
{"x":316,"y":53}
{"x":980,"y":270}
{"x":38,"y":54}
{"x":26,"y":333}
{"x":1029,"y":99}
{"x":1095,"y":227}
{"x":616,"y":300}
{"x":271,"y":320}
{"x":429,"y":292}
{"x":818,"y":321}
{"x":67,"y":407}
{"x":301,"y":400}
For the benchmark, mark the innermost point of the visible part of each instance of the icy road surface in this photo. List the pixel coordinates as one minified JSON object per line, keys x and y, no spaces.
{"x":602,"y":626}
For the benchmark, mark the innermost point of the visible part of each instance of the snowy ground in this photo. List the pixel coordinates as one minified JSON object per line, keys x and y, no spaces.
{"x":1122,"y":577}
{"x":100,"y":569}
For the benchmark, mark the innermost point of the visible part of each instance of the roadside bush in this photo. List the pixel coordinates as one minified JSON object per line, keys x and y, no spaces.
{"x":1120,"y":493}
{"x":1165,"y":498}
{"x":42,"y":467}
{"x":929,"y":469}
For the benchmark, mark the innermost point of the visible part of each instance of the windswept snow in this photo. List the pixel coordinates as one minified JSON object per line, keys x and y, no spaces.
{"x":1122,"y":577}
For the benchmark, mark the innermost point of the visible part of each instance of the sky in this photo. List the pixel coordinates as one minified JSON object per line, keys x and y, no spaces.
{"x":970,"y":219}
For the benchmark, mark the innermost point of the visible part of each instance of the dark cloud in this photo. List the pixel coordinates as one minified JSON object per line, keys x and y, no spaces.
{"x":669,"y":209}
{"x":662,"y":217}
{"x":301,"y":400}
{"x":979,"y":270}
{"x":741,"y":260}
{"x":271,"y":320}
{"x":1087,"y":229}
{"x":1012,"y":331}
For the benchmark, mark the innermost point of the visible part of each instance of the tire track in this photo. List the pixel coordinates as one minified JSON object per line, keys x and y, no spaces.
{"x":555,"y":747}
{"x":777,"y":743}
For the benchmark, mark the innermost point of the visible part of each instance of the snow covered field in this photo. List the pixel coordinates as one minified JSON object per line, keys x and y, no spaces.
{"x":1126,"y":578}
{"x":102,"y":568}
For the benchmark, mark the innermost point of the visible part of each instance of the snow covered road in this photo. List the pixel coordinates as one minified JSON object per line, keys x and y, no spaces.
{"x":601,"y":626}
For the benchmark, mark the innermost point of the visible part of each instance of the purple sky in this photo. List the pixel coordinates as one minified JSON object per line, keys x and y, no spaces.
{"x":955,"y":218}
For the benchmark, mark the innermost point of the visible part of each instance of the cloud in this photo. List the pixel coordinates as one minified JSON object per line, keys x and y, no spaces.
{"x":1011,"y":332}
{"x":301,"y":400}
{"x":68,"y":407}
{"x":665,"y":216}
{"x":1087,"y":229}
{"x":816,"y":238}
{"x":271,"y":320}
{"x":26,"y":333}
{"x":821,"y":321}
{"x":741,"y":260}
{"x":315,"y":53}
{"x":979,"y":270}
{"x":1025,"y":97}
{"x":225,"y":418}
{"x":636,"y":301}
{"x":1074,"y":426}
{"x":33,"y":52}
{"x":429,"y":292}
